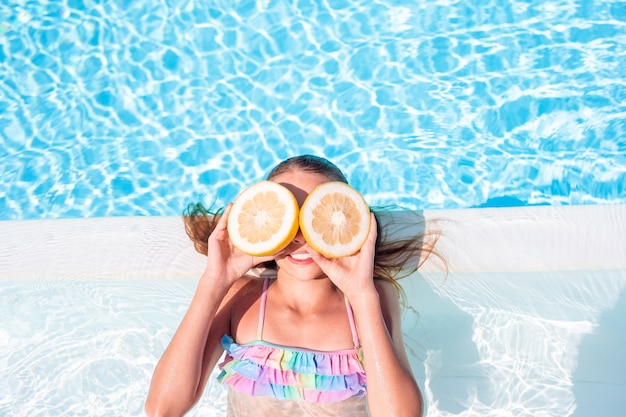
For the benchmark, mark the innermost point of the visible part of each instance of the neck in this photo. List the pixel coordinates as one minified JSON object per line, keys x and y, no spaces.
{"x":305,"y":295}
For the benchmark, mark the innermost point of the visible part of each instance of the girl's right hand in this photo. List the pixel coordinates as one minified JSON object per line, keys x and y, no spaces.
{"x":225,"y":261}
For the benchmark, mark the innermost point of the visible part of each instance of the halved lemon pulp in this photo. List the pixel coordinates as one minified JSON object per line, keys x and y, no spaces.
{"x":263,"y":219}
{"x":335,"y":219}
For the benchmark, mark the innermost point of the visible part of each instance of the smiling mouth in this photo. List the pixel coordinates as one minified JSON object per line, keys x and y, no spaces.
{"x":300,"y":256}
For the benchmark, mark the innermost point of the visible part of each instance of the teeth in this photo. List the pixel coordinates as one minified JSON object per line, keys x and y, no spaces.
{"x":300,"y":256}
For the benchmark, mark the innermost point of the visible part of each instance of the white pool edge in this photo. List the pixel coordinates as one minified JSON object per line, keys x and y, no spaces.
{"x":491,"y":239}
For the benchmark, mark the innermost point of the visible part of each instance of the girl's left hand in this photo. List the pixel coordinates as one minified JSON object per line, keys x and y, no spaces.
{"x":353,"y":274}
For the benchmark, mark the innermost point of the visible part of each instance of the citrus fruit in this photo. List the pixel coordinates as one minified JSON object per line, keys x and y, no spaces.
{"x":335,"y":219}
{"x":263,"y":219}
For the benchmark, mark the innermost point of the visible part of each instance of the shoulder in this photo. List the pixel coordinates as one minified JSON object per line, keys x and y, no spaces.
{"x":241,"y":308}
{"x":243,"y":287}
{"x":389,"y":304}
{"x":241,"y":295}
{"x":385,"y":287}
{"x":387,"y":292}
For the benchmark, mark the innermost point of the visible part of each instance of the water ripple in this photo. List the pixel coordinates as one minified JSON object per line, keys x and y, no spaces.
{"x":139,"y":110}
{"x":81,"y":348}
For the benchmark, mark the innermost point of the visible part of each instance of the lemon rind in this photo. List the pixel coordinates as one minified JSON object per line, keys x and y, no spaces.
{"x":327,"y":250}
{"x":264,"y":248}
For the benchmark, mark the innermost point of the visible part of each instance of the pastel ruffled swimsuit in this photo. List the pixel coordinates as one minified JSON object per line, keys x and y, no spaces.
{"x":259,"y":368}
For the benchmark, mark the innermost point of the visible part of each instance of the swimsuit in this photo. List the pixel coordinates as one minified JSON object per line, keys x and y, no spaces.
{"x":260,"y":368}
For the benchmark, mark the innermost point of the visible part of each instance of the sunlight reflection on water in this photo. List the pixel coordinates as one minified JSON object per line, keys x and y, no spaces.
{"x":512,"y":342}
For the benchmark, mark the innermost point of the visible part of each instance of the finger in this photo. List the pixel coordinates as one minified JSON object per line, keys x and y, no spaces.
{"x":317,"y":257}
{"x":261,"y":259}
{"x":373,"y":233}
{"x":223,"y":221}
{"x":370,"y":242}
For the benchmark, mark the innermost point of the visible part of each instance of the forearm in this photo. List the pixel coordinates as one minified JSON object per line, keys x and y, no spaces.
{"x":392,"y":390}
{"x":178,"y":375}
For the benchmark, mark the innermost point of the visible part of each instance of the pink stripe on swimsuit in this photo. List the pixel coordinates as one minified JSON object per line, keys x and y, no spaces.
{"x":260,"y":368}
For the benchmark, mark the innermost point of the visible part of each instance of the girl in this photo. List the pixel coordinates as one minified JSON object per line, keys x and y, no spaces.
{"x":321,"y":339}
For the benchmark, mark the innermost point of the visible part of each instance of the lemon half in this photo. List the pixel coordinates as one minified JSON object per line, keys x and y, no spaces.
{"x":335,"y":219}
{"x":263,"y":219}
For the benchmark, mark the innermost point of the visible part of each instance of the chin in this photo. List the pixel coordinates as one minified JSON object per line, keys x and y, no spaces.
{"x":308,"y":272}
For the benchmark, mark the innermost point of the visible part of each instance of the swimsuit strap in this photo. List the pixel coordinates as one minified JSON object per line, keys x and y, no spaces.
{"x":355,"y":335}
{"x":259,"y":329}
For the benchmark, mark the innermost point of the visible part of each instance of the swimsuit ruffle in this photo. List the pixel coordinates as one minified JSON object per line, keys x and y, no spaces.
{"x":262,"y":369}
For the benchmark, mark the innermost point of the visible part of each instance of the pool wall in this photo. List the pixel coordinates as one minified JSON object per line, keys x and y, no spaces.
{"x":494,"y":239}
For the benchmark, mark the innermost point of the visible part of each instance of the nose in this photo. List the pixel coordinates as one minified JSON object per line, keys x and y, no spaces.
{"x":299,"y":238}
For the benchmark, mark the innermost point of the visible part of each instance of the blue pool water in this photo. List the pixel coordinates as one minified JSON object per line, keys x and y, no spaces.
{"x":139,"y":108}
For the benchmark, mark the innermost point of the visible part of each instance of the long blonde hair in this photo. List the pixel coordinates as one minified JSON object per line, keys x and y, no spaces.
{"x":396,"y":256}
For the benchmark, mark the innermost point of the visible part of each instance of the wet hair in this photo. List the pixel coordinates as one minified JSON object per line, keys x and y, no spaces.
{"x":311,"y":164}
{"x":395,"y":258}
